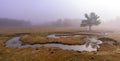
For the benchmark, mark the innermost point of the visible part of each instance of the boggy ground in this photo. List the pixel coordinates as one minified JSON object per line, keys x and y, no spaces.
{"x":105,"y":53}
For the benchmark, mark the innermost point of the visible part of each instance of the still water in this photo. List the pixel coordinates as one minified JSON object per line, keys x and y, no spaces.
{"x":90,"y":45}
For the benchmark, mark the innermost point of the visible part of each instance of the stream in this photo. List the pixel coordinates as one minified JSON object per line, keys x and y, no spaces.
{"x":91,"y":44}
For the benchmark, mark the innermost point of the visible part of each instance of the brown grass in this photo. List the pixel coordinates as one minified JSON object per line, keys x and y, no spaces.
{"x":53,"y":54}
{"x":105,"y":53}
{"x":32,"y":39}
{"x":115,"y":36}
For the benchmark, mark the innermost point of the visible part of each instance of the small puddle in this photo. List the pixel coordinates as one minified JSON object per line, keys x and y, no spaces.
{"x":14,"y":42}
{"x":91,"y":44}
{"x":54,"y":36}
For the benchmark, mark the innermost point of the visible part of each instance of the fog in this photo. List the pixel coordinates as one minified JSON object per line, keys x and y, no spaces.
{"x":42,"y":11}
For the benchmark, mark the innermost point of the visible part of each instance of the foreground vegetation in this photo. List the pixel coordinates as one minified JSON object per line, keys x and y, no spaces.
{"x":54,"y":54}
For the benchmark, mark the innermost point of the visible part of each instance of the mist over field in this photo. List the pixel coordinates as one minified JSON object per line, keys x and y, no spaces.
{"x":59,"y":30}
{"x":58,"y":12}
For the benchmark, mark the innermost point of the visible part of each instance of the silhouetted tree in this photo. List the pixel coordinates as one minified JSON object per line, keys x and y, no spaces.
{"x":91,"y":19}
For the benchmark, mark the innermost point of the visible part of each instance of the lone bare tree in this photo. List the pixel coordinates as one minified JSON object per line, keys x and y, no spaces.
{"x":91,"y":19}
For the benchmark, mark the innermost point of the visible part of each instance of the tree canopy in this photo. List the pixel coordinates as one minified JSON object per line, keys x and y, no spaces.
{"x":91,"y":20}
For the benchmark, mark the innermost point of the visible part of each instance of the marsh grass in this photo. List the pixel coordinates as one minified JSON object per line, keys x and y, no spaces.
{"x":52,"y":54}
{"x":3,"y":41}
{"x":38,"y":35}
{"x":35,"y":38}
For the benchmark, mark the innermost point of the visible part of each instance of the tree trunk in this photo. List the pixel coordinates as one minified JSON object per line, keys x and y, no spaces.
{"x":90,"y":28}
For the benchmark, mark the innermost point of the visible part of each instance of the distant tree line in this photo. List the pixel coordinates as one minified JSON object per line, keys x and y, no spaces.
{"x":13,"y":22}
{"x":66,"y":22}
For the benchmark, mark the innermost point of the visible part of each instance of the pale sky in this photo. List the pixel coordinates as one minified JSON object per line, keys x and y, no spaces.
{"x":48,"y":10}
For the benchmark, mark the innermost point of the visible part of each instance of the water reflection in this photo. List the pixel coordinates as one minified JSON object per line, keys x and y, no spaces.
{"x":14,"y":42}
{"x":54,"y":36}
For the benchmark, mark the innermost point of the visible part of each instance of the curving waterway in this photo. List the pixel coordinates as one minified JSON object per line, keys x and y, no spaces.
{"x":91,"y":44}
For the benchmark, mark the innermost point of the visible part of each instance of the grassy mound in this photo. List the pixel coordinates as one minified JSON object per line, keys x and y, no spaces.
{"x":35,"y":39}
